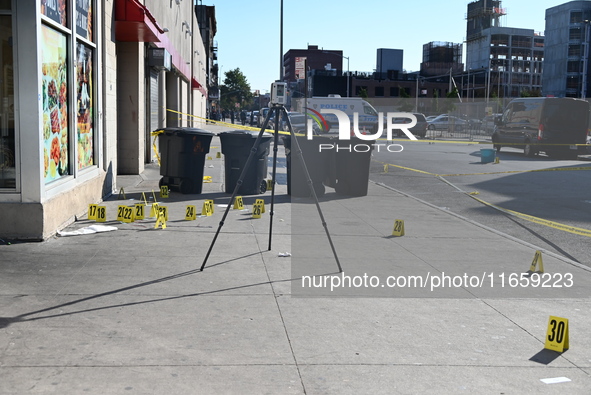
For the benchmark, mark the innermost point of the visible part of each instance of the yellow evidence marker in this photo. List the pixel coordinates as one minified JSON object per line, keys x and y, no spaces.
{"x":190,"y":213}
{"x":398,"y":228}
{"x":238,"y":203}
{"x":154,"y":210}
{"x":125,"y":214}
{"x":161,"y":218}
{"x":257,"y":210}
{"x":557,"y":334}
{"x":164,"y":193}
{"x":139,"y":211}
{"x":261,"y":202}
{"x":92,"y":211}
{"x":537,"y":261}
{"x":101,"y":214}
{"x":207,"y":209}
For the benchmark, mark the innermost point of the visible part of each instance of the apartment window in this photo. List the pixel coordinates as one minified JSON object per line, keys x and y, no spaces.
{"x":574,"y":50}
{"x":574,"y":33}
{"x":394,"y":91}
{"x":573,"y":66}
{"x":572,"y":82}
{"x":521,"y":41}
{"x":499,"y":40}
{"x":379,"y":91}
{"x":576,"y":16}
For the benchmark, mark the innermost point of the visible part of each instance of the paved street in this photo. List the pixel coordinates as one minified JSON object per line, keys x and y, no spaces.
{"x":129,"y":312}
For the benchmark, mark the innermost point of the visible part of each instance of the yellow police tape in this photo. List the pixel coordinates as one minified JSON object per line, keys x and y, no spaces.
{"x":531,"y":218}
{"x":541,"y":221}
{"x":490,"y":173}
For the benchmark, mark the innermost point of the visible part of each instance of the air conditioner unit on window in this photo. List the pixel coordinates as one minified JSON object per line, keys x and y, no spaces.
{"x":159,"y":58}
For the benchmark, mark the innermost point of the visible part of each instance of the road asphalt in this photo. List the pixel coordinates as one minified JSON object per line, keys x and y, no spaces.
{"x":447,"y":307}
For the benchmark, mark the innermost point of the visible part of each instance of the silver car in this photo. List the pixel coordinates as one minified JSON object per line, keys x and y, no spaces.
{"x":447,"y":123}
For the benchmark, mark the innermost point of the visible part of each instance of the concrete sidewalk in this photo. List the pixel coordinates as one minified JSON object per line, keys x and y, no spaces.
{"x":129,"y":311}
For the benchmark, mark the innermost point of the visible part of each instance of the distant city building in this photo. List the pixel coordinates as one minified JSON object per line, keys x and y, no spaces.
{"x":297,"y":61}
{"x":324,"y":68}
{"x":208,"y":27}
{"x":441,"y":57}
{"x":566,"y":63}
{"x":508,"y":61}
{"x":389,"y":61}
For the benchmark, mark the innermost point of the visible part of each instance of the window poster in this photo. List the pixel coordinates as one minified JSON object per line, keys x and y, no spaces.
{"x":84,"y":19}
{"x":55,"y":10}
{"x":55,"y":103}
{"x":85,"y":107}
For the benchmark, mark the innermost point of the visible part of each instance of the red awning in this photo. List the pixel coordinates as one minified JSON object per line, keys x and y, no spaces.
{"x":134,"y":22}
{"x":196,"y":85}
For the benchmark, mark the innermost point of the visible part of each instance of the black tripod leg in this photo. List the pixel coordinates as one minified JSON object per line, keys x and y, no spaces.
{"x":274,"y":178}
{"x":296,"y":145}
{"x":253,"y":151}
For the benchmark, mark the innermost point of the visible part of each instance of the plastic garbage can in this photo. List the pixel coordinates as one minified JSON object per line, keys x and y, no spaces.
{"x":236,"y":147}
{"x":182,"y":158}
{"x":317,"y":162}
{"x":352,"y":160}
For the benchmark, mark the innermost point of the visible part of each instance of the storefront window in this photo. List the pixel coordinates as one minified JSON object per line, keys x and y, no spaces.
{"x":7,"y":147}
{"x":55,"y":103}
{"x":85,"y":107}
{"x":84,"y":19}
{"x":55,"y":10}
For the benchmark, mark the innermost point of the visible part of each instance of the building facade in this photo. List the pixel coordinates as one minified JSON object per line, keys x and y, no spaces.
{"x":511,"y":58}
{"x":296,"y":62}
{"x":208,"y":29}
{"x":566,"y":63}
{"x":441,"y":57}
{"x":389,"y":61}
{"x":84,"y":82}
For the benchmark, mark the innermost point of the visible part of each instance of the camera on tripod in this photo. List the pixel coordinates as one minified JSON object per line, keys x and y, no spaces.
{"x":278,"y":93}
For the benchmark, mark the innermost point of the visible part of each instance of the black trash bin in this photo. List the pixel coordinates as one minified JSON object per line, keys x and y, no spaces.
{"x":318,"y":163}
{"x":182,"y":158}
{"x":351,"y":163}
{"x":236,"y":147}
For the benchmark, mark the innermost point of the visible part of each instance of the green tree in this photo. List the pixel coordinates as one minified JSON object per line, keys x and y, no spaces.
{"x":363,"y":93}
{"x":449,"y":105}
{"x":405,"y":104}
{"x":236,"y":89}
{"x":530,"y":93}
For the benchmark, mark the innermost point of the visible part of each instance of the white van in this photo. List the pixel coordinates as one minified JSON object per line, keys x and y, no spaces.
{"x":368,"y":116}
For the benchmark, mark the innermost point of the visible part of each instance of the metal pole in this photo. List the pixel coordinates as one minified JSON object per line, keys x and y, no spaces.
{"x":281,"y":44}
{"x":347,"y":76}
{"x":585,"y":61}
{"x":417,"y":96}
{"x":488,"y":82}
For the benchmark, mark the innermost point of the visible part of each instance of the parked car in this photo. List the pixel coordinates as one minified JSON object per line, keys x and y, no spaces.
{"x":419,"y":130}
{"x":298,"y":123}
{"x":448,"y":123}
{"x":262,"y":116}
{"x":254,"y":119}
{"x":488,"y":123}
{"x":544,"y":124}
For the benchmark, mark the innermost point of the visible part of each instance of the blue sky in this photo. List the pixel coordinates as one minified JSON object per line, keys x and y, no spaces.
{"x":248,"y":31}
